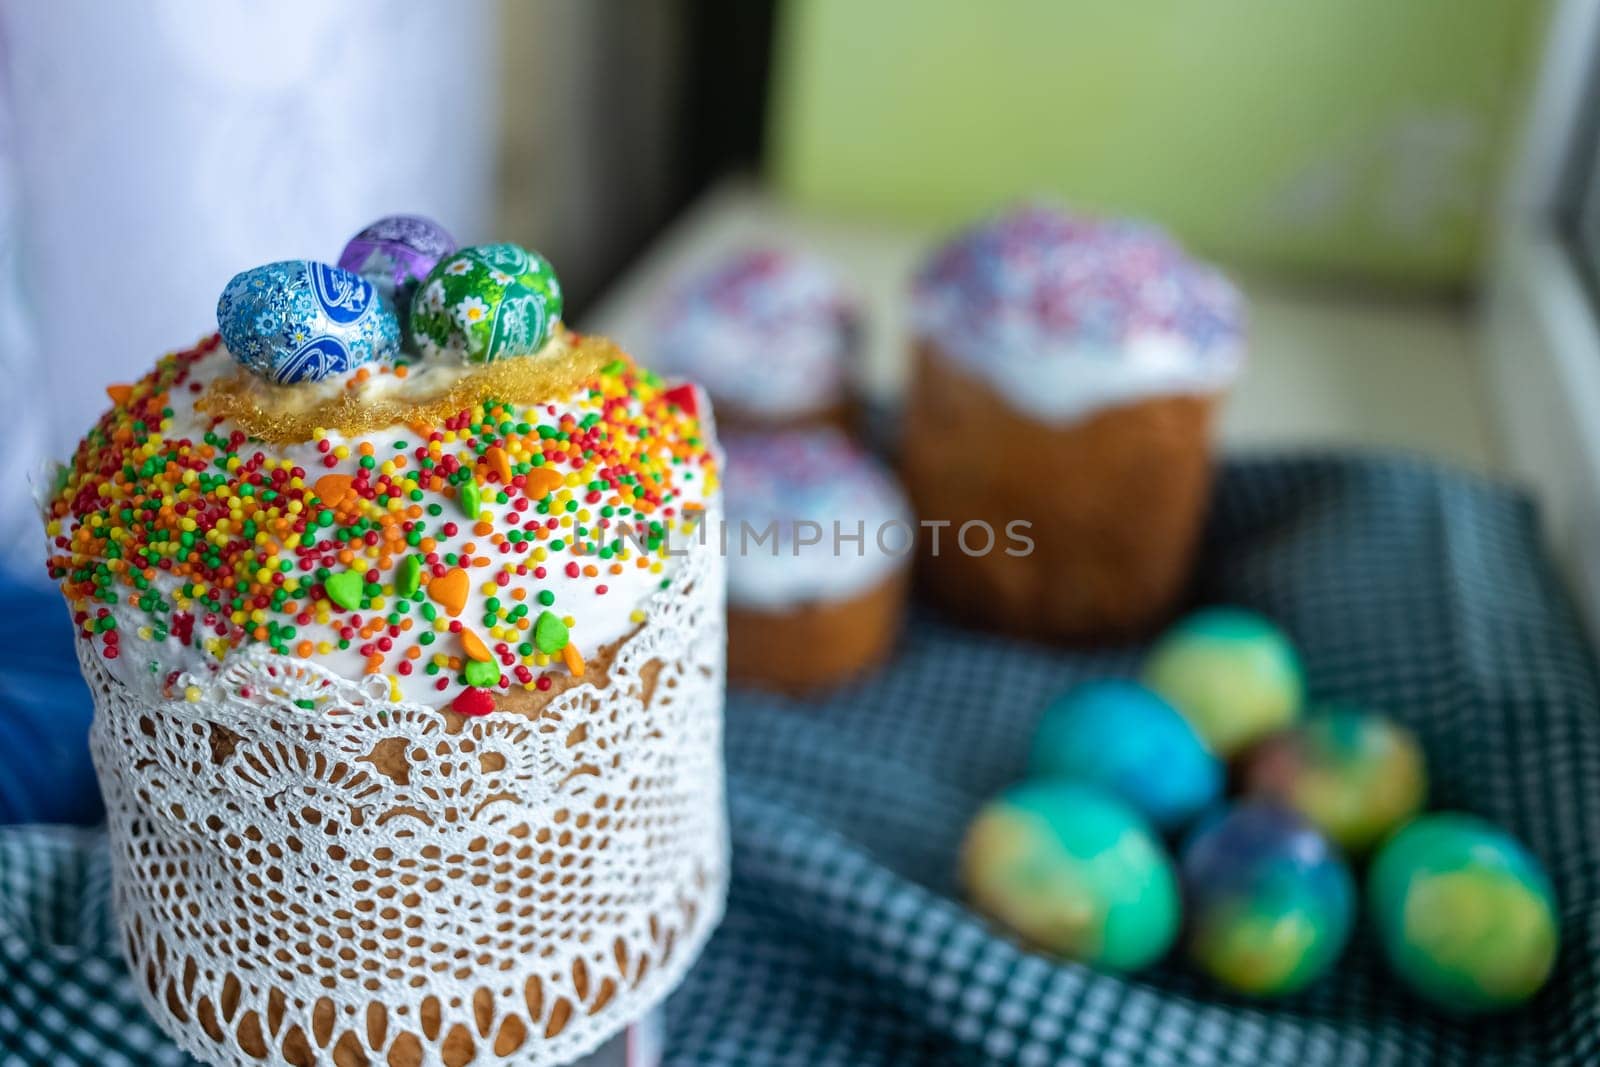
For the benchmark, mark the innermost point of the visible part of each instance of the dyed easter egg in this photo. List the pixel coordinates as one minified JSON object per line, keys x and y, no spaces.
{"x":1465,"y":914}
{"x":1123,"y":737}
{"x":395,"y":254}
{"x":1270,"y":901}
{"x":1356,"y":776}
{"x":1232,"y":673}
{"x":1074,"y":871}
{"x":302,"y":321}
{"x":485,"y":303}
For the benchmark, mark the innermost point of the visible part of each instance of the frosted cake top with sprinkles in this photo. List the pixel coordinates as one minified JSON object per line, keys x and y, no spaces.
{"x":1066,"y":315}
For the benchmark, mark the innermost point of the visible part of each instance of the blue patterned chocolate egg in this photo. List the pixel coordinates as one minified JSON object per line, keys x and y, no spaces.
{"x":302,"y":321}
{"x":1073,"y":871}
{"x":1270,"y":901}
{"x":1356,"y":776}
{"x":395,"y":254}
{"x":1125,"y":738}
{"x":486,"y":303}
{"x":1233,"y":674}
{"x":1465,"y":914}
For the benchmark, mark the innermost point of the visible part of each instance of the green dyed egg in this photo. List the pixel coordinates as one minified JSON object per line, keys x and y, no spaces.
{"x":1356,"y":776}
{"x":1073,"y":871}
{"x":485,"y":303}
{"x":1465,"y":914}
{"x":1233,"y":673}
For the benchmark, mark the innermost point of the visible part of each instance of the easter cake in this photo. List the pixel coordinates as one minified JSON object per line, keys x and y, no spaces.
{"x":1066,"y":375}
{"x":408,"y":681}
{"x":818,"y":541}
{"x":769,"y":334}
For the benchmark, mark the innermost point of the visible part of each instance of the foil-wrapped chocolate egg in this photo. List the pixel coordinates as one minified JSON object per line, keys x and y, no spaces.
{"x":485,"y":303}
{"x":302,"y":321}
{"x":396,"y":253}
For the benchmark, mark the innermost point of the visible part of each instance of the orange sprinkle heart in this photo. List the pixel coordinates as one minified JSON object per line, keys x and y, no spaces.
{"x":119,"y":394}
{"x":332,"y":488}
{"x":573,"y":658}
{"x":449,"y":591}
{"x":542,"y":481}
{"x":475,"y":647}
{"x":499,"y":462}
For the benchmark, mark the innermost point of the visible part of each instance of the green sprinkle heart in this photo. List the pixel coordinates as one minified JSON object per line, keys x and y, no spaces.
{"x":481,"y":674}
{"x":409,"y":577}
{"x":345,"y":589}
{"x":549,"y":633}
{"x":471,"y":498}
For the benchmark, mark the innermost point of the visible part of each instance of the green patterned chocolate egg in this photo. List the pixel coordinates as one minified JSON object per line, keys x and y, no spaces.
{"x":485,"y":303}
{"x":1465,"y":914}
{"x":1074,"y":871}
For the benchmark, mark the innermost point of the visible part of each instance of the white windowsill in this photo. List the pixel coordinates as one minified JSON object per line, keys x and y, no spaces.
{"x":1326,"y":368}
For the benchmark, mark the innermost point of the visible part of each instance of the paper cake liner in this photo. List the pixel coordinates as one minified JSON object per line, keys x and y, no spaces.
{"x":1116,"y":503}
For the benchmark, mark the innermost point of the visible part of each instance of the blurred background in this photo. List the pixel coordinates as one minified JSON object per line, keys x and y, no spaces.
{"x":1366,"y":169}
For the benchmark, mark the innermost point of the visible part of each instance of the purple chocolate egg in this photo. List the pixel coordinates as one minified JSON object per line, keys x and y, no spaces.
{"x":396,"y":253}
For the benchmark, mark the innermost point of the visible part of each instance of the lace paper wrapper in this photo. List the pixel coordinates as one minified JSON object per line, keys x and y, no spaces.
{"x":357,"y":884}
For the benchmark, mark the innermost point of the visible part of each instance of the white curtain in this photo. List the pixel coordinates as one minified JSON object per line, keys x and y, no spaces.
{"x":150,"y":150}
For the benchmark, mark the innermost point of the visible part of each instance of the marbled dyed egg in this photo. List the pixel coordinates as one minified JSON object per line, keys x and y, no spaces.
{"x":485,"y":303}
{"x":1073,"y":871}
{"x":1356,"y":776}
{"x":303,"y":321}
{"x":1270,"y":901}
{"x":1125,"y":738}
{"x":395,"y":254}
{"x":1465,"y":914}
{"x":1233,"y":673}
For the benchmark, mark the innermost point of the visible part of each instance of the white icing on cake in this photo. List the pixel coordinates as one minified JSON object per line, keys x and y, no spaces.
{"x":778,"y":481}
{"x":1067,"y":315}
{"x":766,"y":333}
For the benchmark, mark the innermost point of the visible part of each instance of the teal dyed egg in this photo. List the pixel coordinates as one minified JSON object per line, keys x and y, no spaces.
{"x":1073,"y":871}
{"x":1233,"y":673}
{"x":1465,"y":914}
{"x":1356,"y":776}
{"x":1123,"y":737}
{"x":486,"y":303}
{"x":1270,"y":901}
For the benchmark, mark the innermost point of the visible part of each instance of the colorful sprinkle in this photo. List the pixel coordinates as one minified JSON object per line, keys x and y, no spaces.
{"x":449,"y":591}
{"x":408,"y":577}
{"x":195,"y":534}
{"x":550,"y":633}
{"x":345,"y":589}
{"x":473,"y":702}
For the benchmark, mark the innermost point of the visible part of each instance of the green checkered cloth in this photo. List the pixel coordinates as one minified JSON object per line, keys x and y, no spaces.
{"x":1417,"y":591}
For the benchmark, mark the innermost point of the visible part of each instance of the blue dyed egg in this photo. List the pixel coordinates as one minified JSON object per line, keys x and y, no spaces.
{"x":1465,"y":914}
{"x":1125,"y":738}
{"x":1270,"y":901}
{"x":1073,"y":871}
{"x":1233,"y":674}
{"x":395,"y":254}
{"x":303,"y":321}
